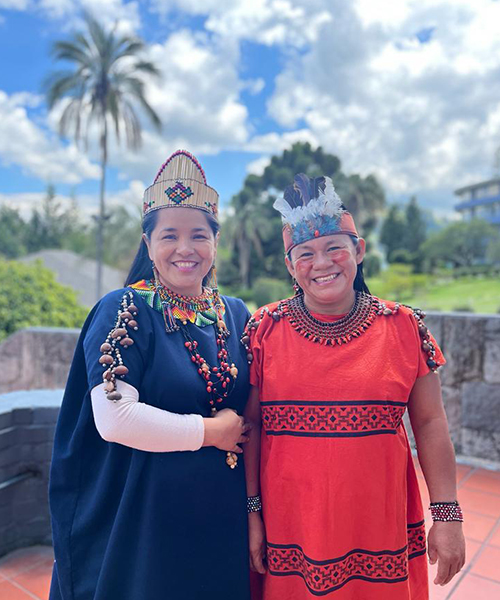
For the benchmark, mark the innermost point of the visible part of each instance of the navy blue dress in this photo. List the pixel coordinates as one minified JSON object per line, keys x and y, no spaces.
{"x":135,"y":525}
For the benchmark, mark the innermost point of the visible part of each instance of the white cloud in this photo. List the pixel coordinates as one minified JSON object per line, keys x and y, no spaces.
{"x":254,"y":86}
{"x":422,"y":116}
{"x":129,"y":197}
{"x":274,"y":143}
{"x":356,"y":79}
{"x":14,"y":4}
{"x":38,"y":153}
{"x":197,"y":100}
{"x":269,"y":22}
{"x":123,"y":15}
{"x":257,"y":166}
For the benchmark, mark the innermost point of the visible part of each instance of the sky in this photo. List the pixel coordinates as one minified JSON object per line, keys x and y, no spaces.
{"x":408,"y":90}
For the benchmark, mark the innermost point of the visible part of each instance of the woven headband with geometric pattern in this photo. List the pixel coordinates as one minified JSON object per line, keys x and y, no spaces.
{"x":181,"y":182}
{"x":311,"y":208}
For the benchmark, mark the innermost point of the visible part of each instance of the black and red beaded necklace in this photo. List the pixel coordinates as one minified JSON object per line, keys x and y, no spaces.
{"x":176,"y":309}
{"x":220,"y":380}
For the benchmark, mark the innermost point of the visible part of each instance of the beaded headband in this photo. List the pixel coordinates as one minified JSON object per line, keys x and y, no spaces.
{"x":181,"y":182}
{"x":310,"y":208}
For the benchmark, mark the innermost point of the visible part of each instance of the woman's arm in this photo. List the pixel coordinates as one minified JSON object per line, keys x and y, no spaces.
{"x":252,"y":471}
{"x":437,"y":459}
{"x":144,"y":427}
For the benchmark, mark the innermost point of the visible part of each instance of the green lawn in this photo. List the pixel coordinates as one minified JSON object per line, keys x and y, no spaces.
{"x":478,"y":294}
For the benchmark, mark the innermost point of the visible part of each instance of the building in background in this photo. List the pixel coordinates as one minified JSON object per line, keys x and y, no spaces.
{"x":480,"y":201}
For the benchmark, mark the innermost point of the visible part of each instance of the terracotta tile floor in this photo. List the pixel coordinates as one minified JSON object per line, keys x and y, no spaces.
{"x":25,"y":574}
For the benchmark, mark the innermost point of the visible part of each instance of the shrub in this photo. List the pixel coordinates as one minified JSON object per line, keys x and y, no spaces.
{"x":463,"y":308}
{"x":372,"y":265}
{"x":266,"y":290}
{"x":399,"y":283}
{"x":32,"y":297}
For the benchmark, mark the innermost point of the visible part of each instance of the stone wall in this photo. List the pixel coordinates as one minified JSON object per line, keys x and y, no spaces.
{"x":36,"y":358}
{"x":27,"y":424}
{"x":471,"y":380}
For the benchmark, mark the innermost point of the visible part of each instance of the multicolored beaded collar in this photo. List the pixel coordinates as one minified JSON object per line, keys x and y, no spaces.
{"x":200,"y":310}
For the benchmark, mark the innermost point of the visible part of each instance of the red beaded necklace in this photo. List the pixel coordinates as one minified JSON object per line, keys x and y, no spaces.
{"x":220,"y":380}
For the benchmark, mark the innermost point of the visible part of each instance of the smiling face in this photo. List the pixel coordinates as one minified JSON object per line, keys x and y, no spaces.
{"x":183,"y":247}
{"x":325,"y":268}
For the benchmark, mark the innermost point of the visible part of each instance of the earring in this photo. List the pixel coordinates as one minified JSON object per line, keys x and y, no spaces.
{"x":297,"y":289}
{"x":212,"y":278}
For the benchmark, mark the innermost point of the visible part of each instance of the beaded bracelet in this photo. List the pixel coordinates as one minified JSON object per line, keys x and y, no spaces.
{"x":254,"y":504}
{"x":446,"y":511}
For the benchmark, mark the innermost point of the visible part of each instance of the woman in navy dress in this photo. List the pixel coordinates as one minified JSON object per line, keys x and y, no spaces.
{"x":147,"y":494}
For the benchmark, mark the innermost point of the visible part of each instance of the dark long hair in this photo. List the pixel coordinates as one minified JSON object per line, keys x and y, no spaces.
{"x":142,"y":267}
{"x":359,"y":281}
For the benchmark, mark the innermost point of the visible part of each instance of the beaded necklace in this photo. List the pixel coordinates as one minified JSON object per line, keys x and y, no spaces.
{"x":329,"y":333}
{"x":177,"y":311}
{"x":365,"y":310}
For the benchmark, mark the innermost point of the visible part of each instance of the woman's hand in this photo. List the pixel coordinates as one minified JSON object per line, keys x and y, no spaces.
{"x":257,"y":542}
{"x":225,"y":431}
{"x":446,"y":546}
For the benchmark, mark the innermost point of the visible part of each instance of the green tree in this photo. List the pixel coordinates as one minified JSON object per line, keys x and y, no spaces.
{"x":247,"y":231}
{"x":104,"y":85}
{"x":392,"y":234}
{"x":461,"y":244}
{"x":416,"y":233}
{"x":34,"y":298}
{"x":415,"y":226}
{"x":254,"y":227}
{"x":399,"y":283}
{"x":122,"y":240}
{"x":12,"y":233}
{"x":50,"y":224}
{"x":493,"y":251}
{"x":403,"y":233}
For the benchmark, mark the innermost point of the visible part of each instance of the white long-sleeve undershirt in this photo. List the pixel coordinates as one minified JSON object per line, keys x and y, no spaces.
{"x":142,"y":426}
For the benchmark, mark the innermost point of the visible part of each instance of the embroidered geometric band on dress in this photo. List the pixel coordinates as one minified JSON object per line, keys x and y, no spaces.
{"x":344,"y":418}
{"x":324,"y":576}
{"x":416,"y":539}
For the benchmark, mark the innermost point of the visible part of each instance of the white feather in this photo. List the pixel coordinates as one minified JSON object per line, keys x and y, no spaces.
{"x":326,"y":204}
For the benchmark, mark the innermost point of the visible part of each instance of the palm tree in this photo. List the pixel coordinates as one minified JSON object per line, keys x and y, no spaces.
{"x":103,"y":86}
{"x":247,"y":230}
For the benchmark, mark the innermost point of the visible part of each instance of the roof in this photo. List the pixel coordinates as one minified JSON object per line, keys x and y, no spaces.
{"x":475,"y":186}
{"x":78,"y":272}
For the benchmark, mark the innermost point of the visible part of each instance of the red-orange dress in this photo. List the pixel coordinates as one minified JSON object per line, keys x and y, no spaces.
{"x":341,"y":503}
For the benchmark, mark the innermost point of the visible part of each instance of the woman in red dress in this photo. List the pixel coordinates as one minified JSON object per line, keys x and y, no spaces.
{"x":333,"y":371}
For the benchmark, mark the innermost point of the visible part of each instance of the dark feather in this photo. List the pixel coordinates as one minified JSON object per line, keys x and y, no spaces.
{"x":300,"y":192}
{"x":303,"y":190}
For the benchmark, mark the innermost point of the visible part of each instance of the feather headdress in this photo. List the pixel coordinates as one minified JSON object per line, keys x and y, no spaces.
{"x":311,"y":208}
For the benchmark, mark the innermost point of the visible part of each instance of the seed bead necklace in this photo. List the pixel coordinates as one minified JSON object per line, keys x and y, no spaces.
{"x":220,"y":380}
{"x":365,"y":310}
{"x":359,"y":318}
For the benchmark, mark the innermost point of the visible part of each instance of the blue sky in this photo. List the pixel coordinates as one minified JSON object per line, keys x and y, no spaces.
{"x":406,"y":92}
